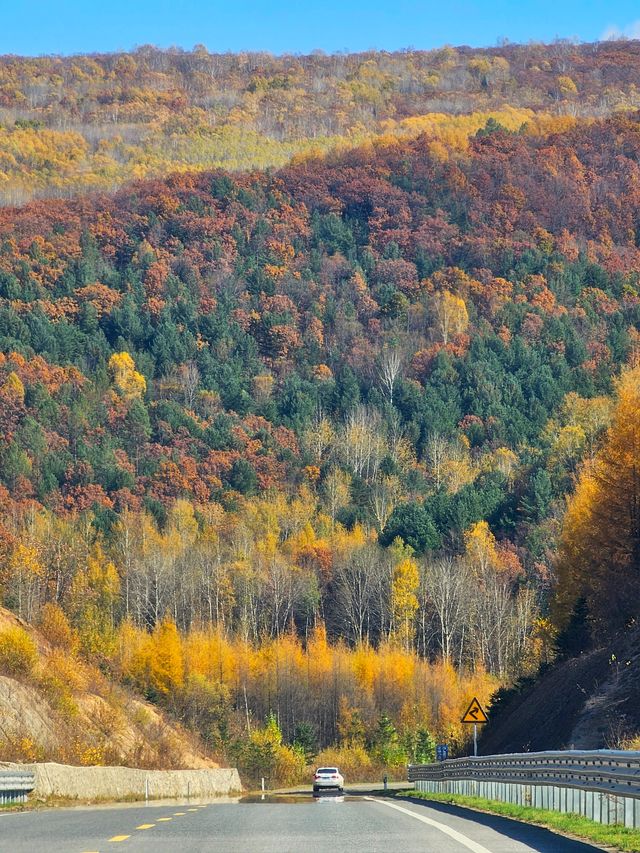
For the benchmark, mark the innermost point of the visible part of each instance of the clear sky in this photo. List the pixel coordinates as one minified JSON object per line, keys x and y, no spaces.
{"x":34,"y":27}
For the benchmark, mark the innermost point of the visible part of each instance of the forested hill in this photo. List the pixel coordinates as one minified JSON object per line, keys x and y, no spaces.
{"x":70,"y":124}
{"x":432,"y":293}
{"x":351,"y":394}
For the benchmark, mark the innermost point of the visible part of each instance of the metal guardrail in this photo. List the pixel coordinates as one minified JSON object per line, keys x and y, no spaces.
{"x":604,"y":771}
{"x":15,"y":785}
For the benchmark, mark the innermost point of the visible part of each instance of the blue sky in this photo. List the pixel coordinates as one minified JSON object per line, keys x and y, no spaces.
{"x":33,"y":27}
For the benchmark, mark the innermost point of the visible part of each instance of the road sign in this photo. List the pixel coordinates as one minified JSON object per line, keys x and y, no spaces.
{"x":442,"y":752}
{"x":475,"y":713}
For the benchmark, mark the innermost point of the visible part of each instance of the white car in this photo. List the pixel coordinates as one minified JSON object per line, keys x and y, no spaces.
{"x":327,"y":777}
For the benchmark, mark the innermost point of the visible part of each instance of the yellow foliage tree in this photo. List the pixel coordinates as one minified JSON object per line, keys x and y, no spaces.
{"x":13,"y":387}
{"x":480,"y":548}
{"x":600,"y":540}
{"x":566,"y":86}
{"x":103,"y":579}
{"x":404,"y":601}
{"x":26,"y":573}
{"x":505,"y":461}
{"x":350,"y":727}
{"x":94,"y":593}
{"x":166,"y":663}
{"x":451,"y":314}
{"x":183,"y":521}
{"x":126,"y":378}
{"x":456,"y":465}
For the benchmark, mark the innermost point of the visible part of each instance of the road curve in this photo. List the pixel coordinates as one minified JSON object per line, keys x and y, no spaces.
{"x":281,"y":824}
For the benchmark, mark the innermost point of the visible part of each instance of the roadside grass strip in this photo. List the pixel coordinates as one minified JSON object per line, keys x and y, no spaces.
{"x":619,"y":837}
{"x":462,"y":839}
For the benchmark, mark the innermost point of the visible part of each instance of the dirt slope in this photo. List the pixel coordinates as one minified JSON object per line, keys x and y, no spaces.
{"x":87,"y":720}
{"x":588,"y":702}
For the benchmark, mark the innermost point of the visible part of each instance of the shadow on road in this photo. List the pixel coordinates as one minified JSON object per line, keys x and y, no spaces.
{"x":536,"y":837}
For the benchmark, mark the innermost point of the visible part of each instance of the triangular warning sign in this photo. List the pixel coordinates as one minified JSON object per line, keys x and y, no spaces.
{"x":475,"y":713}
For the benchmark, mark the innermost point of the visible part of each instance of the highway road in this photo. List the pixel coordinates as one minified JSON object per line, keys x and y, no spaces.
{"x":279,"y":824}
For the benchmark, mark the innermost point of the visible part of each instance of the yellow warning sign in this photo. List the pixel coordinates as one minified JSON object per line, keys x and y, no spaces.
{"x":475,"y":713}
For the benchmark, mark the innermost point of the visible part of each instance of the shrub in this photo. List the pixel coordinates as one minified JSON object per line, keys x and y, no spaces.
{"x":91,"y":756}
{"x":353,"y":761}
{"x":59,"y":696}
{"x":55,"y":628}
{"x":204,"y":707}
{"x":63,"y":676}
{"x":290,"y":766}
{"x":18,"y":747}
{"x":18,"y":653}
{"x":26,"y":749}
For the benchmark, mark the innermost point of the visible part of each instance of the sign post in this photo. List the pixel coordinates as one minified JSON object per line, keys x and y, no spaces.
{"x":442,"y":752}
{"x":475,"y":714}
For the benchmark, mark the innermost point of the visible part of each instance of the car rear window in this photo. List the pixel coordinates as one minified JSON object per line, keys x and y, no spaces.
{"x":327,"y":769}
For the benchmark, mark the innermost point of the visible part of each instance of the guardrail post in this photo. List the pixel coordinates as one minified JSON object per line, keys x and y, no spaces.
{"x":591,"y":805}
{"x":571,"y":801}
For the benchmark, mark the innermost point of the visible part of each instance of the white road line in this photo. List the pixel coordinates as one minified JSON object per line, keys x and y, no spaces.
{"x":452,"y":833}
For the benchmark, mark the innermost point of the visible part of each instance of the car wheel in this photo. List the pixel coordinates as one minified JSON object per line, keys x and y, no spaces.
{"x":315,"y":789}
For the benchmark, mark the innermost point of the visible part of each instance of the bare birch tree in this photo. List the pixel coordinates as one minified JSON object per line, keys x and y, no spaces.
{"x":389,"y":368}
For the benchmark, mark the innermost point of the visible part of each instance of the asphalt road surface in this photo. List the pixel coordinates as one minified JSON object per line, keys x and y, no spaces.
{"x":279,"y":824}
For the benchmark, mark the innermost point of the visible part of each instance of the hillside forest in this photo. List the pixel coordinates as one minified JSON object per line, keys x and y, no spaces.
{"x":87,"y":122}
{"x":309,"y":457}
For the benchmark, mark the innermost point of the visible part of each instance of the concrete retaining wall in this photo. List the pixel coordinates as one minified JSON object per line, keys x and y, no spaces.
{"x":117,"y":783}
{"x":596,"y":805}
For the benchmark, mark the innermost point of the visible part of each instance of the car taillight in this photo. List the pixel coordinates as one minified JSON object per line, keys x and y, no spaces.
{"x":334,"y":776}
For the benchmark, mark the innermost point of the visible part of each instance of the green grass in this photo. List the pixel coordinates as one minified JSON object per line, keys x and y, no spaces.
{"x":618,"y":837}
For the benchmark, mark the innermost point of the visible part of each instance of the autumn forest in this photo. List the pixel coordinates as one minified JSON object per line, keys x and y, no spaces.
{"x":310,"y":449}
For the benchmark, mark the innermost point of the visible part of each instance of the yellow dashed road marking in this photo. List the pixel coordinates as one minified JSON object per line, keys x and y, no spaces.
{"x":179,"y":814}
{"x":119,"y":838}
{"x":192,"y":810}
{"x":145,"y":826}
{"x":164,"y":818}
